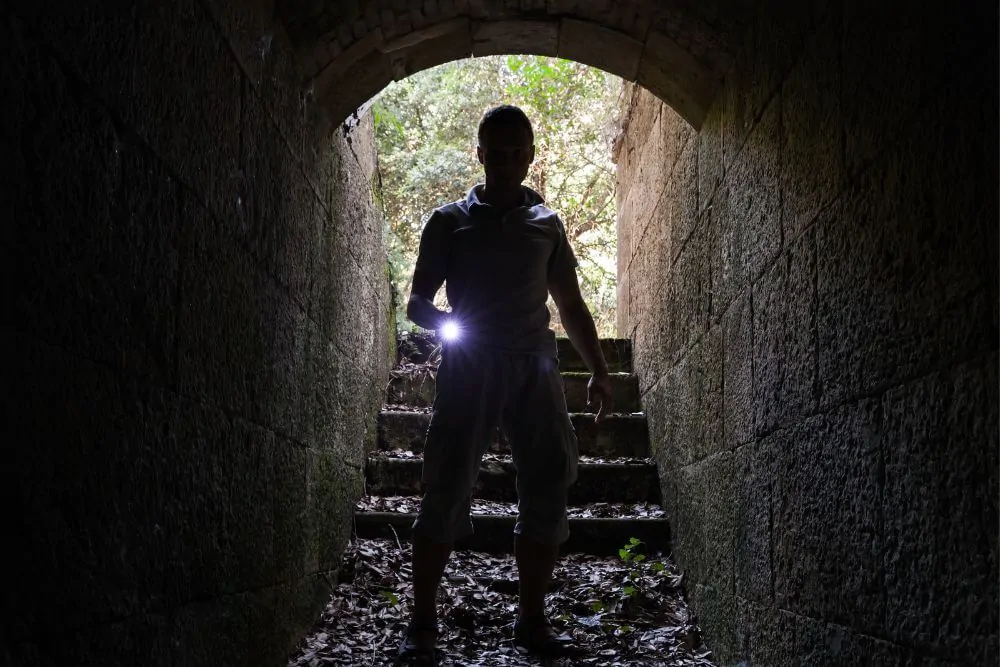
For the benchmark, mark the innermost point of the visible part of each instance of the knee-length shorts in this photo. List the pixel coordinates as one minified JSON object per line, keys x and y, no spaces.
{"x":477,"y":391}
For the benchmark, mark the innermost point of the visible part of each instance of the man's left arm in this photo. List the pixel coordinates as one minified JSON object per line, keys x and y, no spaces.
{"x":579,"y":324}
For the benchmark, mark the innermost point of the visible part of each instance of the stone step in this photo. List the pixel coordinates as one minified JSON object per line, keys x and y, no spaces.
{"x":596,"y":482}
{"x":617,"y":353}
{"x":618,"y":436}
{"x":494,"y":533}
{"x":417,"y":391}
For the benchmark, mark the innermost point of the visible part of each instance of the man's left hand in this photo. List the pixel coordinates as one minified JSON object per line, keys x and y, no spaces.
{"x":599,"y":391}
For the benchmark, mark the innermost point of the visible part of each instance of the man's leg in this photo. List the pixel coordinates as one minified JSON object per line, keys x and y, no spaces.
{"x":535,"y":562}
{"x":466,"y":411}
{"x":545,"y":455}
{"x":429,"y":560}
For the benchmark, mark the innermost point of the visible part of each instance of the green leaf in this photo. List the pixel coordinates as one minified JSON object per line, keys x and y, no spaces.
{"x":390,"y":597}
{"x":658,"y":567}
{"x":629,"y":590}
{"x":597,"y":606}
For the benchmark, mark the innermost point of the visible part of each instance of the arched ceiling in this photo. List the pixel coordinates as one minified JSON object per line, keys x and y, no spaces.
{"x":677,"y":49}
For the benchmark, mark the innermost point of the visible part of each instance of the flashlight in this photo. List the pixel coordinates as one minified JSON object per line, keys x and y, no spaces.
{"x":450,"y":331}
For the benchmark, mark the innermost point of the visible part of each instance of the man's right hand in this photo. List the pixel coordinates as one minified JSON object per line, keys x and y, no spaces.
{"x":423,"y":312}
{"x":599,"y":391}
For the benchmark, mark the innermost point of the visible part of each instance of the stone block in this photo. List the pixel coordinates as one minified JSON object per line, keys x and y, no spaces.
{"x":715,"y":608}
{"x":268,"y":58}
{"x":708,"y":145}
{"x":765,"y":635}
{"x":21,"y":71}
{"x":828,"y":645}
{"x":753,"y":538}
{"x":692,"y":413}
{"x":784,"y":338}
{"x":288,"y":476}
{"x":193,"y":122}
{"x":344,"y":88}
{"x":878,"y":102}
{"x":538,"y":37}
{"x":940,"y":511}
{"x":600,"y":47}
{"x":333,"y":488}
{"x":749,"y":236}
{"x":98,"y":44}
{"x":92,"y":243}
{"x":826,"y":527}
{"x":279,"y":218}
{"x":738,"y":390}
{"x":674,"y":75}
{"x":452,"y":41}
{"x":623,"y":309}
{"x":704,"y":521}
{"x":83,"y":451}
{"x":682,"y":191}
{"x":143,"y":639}
{"x":774,"y":43}
{"x":688,"y":295}
{"x":812,"y":133}
{"x":677,"y":134}
{"x":242,"y":341}
{"x":897,"y":292}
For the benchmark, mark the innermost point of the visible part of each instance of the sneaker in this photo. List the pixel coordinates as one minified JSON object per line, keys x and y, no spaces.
{"x":540,"y":639}
{"x":418,"y":648}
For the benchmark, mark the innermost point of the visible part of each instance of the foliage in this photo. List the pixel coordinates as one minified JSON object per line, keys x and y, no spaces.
{"x":425,"y":133}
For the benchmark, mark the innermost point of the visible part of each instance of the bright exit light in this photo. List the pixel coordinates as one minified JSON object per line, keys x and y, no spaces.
{"x":450,"y":331}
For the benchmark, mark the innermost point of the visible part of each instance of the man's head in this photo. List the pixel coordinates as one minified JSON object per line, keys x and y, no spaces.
{"x":506,"y":145}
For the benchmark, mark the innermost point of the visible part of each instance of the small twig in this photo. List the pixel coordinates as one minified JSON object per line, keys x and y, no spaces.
{"x":398,"y":544}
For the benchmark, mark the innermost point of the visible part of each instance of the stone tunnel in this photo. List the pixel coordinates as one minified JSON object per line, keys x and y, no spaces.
{"x":196,"y":314}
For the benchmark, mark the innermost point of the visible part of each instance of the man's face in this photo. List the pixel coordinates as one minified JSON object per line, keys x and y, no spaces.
{"x":505,"y":152}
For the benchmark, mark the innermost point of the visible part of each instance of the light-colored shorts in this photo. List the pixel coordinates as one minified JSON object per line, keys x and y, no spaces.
{"x":477,"y":391}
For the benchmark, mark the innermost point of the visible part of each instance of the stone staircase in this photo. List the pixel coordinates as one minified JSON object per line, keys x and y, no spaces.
{"x":616,"y":496}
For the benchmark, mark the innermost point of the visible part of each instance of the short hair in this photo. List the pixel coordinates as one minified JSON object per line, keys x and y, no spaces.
{"x":505,"y":114}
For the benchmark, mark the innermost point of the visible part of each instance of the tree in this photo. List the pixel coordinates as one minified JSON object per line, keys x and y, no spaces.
{"x":425,"y":129}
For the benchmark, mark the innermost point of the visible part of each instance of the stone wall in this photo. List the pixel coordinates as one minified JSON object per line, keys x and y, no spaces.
{"x":811,"y":285}
{"x":194,"y":334}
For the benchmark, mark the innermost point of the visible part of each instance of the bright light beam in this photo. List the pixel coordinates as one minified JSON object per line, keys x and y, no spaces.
{"x":450,"y":331}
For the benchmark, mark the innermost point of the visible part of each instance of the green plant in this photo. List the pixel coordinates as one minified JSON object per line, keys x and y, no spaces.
{"x":631,"y":554}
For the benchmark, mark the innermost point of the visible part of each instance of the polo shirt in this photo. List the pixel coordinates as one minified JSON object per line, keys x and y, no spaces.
{"x":496,"y":269}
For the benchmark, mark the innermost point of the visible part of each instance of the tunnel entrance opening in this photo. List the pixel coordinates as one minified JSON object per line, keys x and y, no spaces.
{"x":425,"y":129}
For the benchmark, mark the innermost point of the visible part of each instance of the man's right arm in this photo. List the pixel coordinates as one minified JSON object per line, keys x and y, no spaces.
{"x":420,"y":308}
{"x":428,"y":276}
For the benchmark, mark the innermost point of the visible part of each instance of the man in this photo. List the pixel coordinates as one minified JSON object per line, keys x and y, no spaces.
{"x":501,"y":252}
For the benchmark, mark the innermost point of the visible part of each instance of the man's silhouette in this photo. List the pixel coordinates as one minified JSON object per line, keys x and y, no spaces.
{"x":501,"y":253}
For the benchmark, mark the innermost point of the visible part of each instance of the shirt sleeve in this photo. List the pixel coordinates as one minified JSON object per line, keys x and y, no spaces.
{"x":432,"y":257}
{"x":562,"y":258}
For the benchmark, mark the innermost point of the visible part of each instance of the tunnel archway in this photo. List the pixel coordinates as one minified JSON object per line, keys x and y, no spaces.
{"x":678,"y":52}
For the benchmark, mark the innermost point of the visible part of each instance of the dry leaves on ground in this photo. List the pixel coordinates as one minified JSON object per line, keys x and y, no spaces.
{"x":410,"y":504}
{"x":618,"y":613}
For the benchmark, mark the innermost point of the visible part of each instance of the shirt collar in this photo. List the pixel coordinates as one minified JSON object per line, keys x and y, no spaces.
{"x":472,"y":201}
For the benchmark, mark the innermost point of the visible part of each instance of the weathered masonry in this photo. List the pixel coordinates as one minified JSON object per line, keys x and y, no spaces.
{"x":195,"y":312}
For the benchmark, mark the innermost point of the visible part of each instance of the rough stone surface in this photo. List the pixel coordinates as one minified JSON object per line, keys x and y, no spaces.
{"x":705,"y":531}
{"x":940,"y":571}
{"x":754,"y":516}
{"x":845,"y":225}
{"x":738,"y":388}
{"x":826,"y":523}
{"x":784,"y":339}
{"x":179,"y":488}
